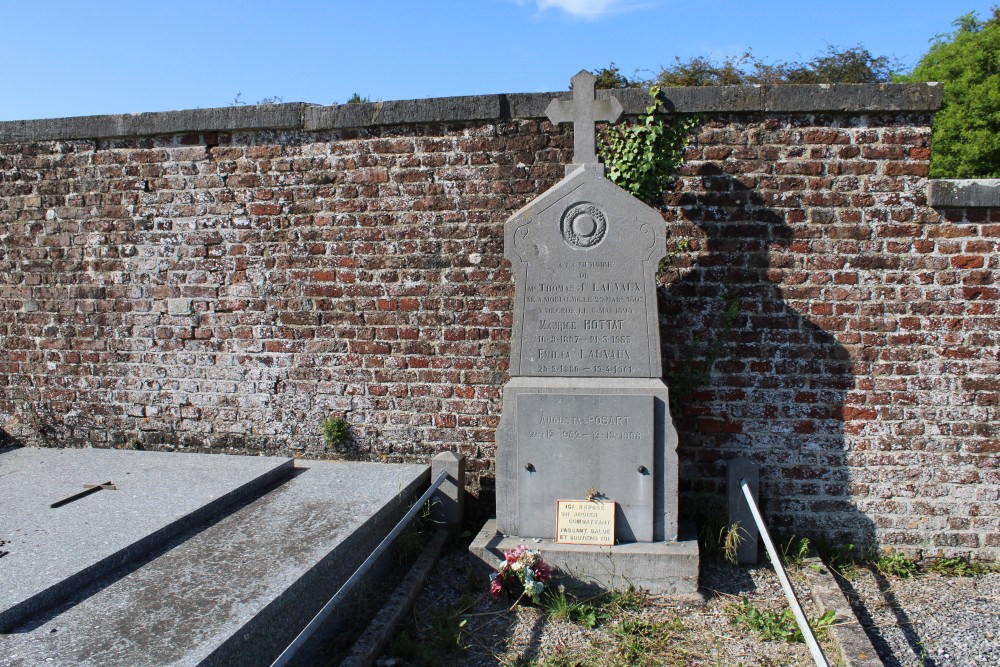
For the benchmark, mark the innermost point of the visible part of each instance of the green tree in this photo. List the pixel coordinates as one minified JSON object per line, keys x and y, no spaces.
{"x":853,"y":65}
{"x":966,"y":140}
{"x":611,"y":77}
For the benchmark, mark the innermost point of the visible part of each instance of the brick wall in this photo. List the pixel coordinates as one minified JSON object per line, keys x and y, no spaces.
{"x":854,"y":332}
{"x":226,"y":290}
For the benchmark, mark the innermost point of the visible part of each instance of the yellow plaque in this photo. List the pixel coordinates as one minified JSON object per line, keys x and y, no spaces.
{"x":585,"y":522}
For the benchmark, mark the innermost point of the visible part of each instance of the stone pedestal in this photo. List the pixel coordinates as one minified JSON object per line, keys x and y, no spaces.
{"x":662,"y":568}
{"x":559,"y":437}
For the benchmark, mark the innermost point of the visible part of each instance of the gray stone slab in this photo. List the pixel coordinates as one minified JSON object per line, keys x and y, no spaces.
{"x":664,"y":568}
{"x":510,"y":459}
{"x":850,"y":638}
{"x":964,"y":193}
{"x":54,"y":551}
{"x":238,"y":591}
{"x":570,"y":443}
{"x":435,"y":110}
{"x":712,"y":99}
{"x":584,"y":257}
{"x":853,"y":97}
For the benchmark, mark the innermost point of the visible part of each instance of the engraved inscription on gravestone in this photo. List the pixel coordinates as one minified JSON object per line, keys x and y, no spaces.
{"x":586,"y":306}
{"x":568,"y":443}
{"x":585,"y":522}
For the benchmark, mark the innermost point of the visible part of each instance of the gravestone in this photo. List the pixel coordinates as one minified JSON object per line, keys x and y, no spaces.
{"x":585,"y":413}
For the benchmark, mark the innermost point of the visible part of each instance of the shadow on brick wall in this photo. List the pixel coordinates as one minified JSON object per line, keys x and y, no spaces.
{"x":749,"y":374}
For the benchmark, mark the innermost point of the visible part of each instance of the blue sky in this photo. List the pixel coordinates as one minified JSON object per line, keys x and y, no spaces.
{"x":76,"y":58}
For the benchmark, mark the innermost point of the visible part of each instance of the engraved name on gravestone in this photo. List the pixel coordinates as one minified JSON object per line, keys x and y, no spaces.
{"x":568,"y":443}
{"x":584,"y":257}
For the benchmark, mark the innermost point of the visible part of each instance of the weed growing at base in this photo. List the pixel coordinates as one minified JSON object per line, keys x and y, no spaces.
{"x":336,"y":431}
{"x":563,"y":608}
{"x":961,"y":567}
{"x":795,"y":551}
{"x":896,"y":565}
{"x":778,"y":625}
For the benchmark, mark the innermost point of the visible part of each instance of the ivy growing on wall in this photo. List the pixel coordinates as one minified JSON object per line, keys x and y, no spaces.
{"x":644,"y":156}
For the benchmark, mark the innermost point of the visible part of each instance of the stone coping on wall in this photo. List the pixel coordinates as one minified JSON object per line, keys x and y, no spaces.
{"x":964,"y":193}
{"x":824,"y":98}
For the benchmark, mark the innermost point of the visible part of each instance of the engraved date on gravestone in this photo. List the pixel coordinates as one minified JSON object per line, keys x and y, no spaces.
{"x":580,"y":321}
{"x":567,"y":443}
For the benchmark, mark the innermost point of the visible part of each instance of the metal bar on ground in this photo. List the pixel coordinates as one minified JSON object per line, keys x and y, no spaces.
{"x":348,"y":586}
{"x":786,"y":585}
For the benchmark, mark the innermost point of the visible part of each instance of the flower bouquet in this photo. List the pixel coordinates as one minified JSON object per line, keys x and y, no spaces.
{"x":522,"y":567}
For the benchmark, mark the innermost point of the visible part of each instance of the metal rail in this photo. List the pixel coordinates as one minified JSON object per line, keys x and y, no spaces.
{"x":349,"y":585}
{"x":779,"y":569}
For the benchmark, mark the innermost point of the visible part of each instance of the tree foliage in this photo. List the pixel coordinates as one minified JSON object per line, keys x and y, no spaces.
{"x":612,"y":77}
{"x":966,"y":140}
{"x":853,"y":65}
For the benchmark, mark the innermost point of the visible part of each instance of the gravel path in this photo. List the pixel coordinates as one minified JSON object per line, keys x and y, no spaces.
{"x":927,"y":621}
{"x":930,"y":620}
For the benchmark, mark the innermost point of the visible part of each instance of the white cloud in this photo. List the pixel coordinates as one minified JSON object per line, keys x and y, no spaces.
{"x":589,"y":9}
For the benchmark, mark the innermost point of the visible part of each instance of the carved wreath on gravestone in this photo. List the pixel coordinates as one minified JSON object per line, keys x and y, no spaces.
{"x":584,"y":225}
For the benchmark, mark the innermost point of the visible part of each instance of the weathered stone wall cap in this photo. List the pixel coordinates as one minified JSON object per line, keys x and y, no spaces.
{"x":222,"y":119}
{"x":830,"y":98}
{"x":964,"y":193}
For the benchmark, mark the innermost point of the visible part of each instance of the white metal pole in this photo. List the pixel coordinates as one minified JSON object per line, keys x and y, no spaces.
{"x":779,"y":569}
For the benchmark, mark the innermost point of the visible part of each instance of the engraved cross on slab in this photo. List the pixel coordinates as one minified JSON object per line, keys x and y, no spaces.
{"x":583,"y":111}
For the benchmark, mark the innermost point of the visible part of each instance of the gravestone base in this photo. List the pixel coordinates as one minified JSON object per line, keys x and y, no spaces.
{"x":662,"y":568}
{"x":559,"y":437}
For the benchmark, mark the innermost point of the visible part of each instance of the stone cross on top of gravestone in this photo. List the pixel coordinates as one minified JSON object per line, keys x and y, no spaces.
{"x":583,"y":111}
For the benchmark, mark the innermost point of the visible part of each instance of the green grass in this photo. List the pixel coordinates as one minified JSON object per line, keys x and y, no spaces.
{"x":596,"y":611}
{"x":563,"y":607}
{"x":841,"y":558}
{"x":445,"y":634}
{"x":644,"y":642}
{"x":562,"y":659}
{"x":795,"y":550}
{"x":626,"y":599}
{"x":637,"y":641}
{"x":777,"y":625}
{"x":960,"y":567}
{"x":895,"y":565}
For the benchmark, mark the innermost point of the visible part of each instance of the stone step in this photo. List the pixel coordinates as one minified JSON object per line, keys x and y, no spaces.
{"x":233,"y":592}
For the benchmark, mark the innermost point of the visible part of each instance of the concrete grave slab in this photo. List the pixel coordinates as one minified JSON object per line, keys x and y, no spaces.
{"x":54,"y":551}
{"x":238,"y":591}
